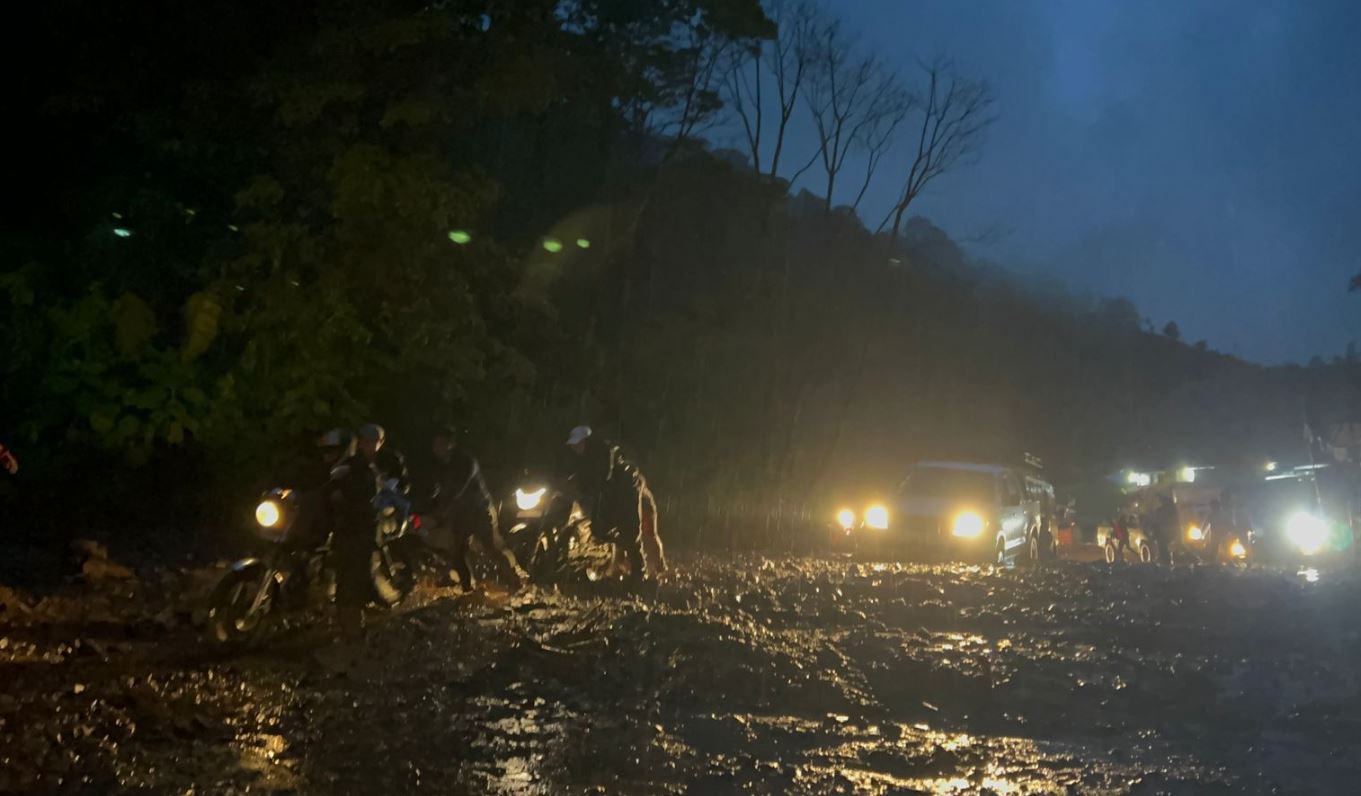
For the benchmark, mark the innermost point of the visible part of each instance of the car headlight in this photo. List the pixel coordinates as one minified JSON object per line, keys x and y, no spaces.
{"x":268,"y":514}
{"x":1237,"y":550}
{"x":528,"y":501}
{"x":846,"y":519}
{"x":876,"y":517}
{"x":1195,"y":533}
{"x":1307,"y":532}
{"x":967,"y":524}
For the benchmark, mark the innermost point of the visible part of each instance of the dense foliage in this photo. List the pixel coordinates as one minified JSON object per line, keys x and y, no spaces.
{"x":253,"y":221}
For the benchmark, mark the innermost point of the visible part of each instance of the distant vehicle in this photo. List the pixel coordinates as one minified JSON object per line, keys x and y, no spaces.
{"x":1197,"y":539}
{"x":1306,"y":514}
{"x":969,"y":511}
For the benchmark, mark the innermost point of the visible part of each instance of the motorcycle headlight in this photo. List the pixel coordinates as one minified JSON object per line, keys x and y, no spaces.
{"x":1237,"y":550}
{"x":846,"y":519}
{"x":1307,"y":532}
{"x":268,"y":514}
{"x":528,"y":501}
{"x":967,"y":524}
{"x":1195,"y":533}
{"x":876,"y":517}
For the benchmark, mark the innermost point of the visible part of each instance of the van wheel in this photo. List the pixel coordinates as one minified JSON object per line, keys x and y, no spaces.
{"x":1001,"y":551}
{"x":1145,"y":553}
{"x":1112,"y":553}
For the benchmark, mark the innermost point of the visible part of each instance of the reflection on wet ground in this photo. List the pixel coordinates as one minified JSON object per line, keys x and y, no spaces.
{"x":764,"y":675}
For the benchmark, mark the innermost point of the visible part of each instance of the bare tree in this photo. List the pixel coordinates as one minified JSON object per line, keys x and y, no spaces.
{"x":785,"y":59}
{"x":876,"y":137}
{"x":847,"y":92}
{"x":698,"y":101}
{"x":955,"y":113}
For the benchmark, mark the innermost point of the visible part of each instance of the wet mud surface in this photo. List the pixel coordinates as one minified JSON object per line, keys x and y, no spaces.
{"x":759,"y":675}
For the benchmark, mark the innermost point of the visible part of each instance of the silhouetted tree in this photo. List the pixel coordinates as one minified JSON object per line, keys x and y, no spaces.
{"x":853,"y":98}
{"x":785,"y":58}
{"x":955,"y":113}
{"x":1172,"y":331}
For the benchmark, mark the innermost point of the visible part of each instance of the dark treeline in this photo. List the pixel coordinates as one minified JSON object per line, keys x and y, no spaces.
{"x":244,"y":223}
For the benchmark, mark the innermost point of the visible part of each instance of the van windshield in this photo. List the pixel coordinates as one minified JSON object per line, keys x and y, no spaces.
{"x":939,"y":482}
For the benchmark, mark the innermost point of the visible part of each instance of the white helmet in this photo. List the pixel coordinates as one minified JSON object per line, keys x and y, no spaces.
{"x":578,"y":435}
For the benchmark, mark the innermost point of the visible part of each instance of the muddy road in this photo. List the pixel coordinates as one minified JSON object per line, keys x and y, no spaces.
{"x":764,"y":675}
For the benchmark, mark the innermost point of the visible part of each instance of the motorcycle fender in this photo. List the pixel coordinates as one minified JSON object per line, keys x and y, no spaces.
{"x":254,"y":563}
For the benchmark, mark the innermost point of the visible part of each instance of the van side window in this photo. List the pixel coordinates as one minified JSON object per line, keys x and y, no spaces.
{"x":1011,"y":493}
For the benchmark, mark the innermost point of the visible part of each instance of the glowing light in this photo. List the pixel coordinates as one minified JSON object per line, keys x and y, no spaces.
{"x":583,"y":243}
{"x":528,"y":501}
{"x":267,"y":514}
{"x":460,"y":236}
{"x":552,"y":245}
{"x":122,"y":232}
{"x":1187,"y":474}
{"x":1237,"y":550}
{"x":1271,"y":467}
{"x":876,"y":517}
{"x":1310,"y":575}
{"x":1195,"y":534}
{"x":1134,"y":478}
{"x":1306,"y":532}
{"x":968,"y":524}
{"x":846,"y":519}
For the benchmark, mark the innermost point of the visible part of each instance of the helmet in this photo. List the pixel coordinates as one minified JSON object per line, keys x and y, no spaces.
{"x":372,"y":431}
{"x":450,"y":432}
{"x":579,"y":435}
{"x":336,"y":438}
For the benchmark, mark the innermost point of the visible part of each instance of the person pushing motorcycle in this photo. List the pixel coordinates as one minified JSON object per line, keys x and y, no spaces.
{"x":615,"y":496}
{"x":463,"y":508}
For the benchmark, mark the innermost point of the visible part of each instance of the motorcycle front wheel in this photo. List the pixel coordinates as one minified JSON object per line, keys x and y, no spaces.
{"x":235,"y":616}
{"x":393,"y":575}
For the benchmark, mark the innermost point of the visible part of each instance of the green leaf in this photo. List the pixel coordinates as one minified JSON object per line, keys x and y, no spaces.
{"x":101,"y":423}
{"x":134,"y":324}
{"x":202,"y":317}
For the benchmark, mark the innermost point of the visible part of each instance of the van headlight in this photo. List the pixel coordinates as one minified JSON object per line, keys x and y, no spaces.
{"x":1307,"y":532}
{"x":528,"y":501}
{"x":1195,"y":534}
{"x":268,"y":514}
{"x":1237,"y":550}
{"x":967,"y":524}
{"x":846,"y":519}
{"x":876,"y":517}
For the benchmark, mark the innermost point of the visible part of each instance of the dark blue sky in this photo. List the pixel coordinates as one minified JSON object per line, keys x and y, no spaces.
{"x":1197,"y":156}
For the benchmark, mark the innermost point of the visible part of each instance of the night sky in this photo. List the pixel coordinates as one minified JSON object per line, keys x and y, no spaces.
{"x":1198,"y":157}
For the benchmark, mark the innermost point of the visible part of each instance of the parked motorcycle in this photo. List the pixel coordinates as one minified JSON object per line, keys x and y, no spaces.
{"x":291,"y":574}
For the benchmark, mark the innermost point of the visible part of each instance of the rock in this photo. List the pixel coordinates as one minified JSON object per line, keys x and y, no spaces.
{"x":95,"y":570}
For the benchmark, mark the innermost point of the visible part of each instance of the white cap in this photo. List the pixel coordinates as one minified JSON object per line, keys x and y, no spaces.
{"x":578,"y":435}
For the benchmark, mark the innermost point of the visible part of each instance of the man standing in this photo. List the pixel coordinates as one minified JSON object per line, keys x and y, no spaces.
{"x":349,"y":494}
{"x":615,"y":496}
{"x":463,"y":505}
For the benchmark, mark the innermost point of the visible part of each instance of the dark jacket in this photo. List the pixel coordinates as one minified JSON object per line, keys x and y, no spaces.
{"x":606,"y":484}
{"x":460,"y":490}
{"x":390,"y":463}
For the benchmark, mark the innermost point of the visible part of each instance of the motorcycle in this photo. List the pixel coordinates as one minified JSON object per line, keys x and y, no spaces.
{"x":544,"y":528}
{"x":291,"y":574}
